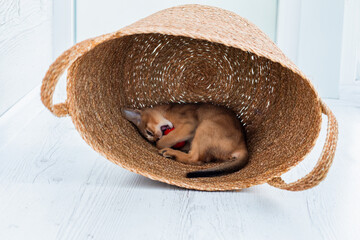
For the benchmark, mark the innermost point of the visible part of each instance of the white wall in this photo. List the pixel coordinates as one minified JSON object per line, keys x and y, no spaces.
{"x":288,"y":28}
{"x":63,"y":26}
{"x":350,"y":57}
{"x":96,"y":17}
{"x":319,"y":53}
{"x":63,"y":37}
{"x":25,"y":47}
{"x":310,"y":34}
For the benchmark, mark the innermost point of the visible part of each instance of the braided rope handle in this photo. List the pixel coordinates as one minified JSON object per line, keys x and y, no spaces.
{"x":323,"y":165}
{"x":56,"y":70}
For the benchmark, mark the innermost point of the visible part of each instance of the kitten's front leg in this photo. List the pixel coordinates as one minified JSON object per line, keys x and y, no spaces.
{"x":188,"y":158}
{"x":181,"y":133}
{"x":164,"y":142}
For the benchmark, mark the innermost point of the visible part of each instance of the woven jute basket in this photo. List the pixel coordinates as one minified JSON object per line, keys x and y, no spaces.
{"x":189,"y":54}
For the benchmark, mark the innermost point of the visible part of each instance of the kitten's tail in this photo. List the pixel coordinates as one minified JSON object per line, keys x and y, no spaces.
{"x":239,"y":160}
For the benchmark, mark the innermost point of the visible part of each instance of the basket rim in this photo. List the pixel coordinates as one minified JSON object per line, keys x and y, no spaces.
{"x":131,"y":30}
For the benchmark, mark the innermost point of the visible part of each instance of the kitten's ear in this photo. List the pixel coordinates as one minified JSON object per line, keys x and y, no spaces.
{"x":133,"y":116}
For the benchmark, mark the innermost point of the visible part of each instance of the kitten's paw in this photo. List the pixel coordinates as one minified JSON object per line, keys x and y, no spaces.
{"x":166,"y":152}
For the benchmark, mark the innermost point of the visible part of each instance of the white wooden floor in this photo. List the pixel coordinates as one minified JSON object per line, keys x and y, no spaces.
{"x":54,"y":186}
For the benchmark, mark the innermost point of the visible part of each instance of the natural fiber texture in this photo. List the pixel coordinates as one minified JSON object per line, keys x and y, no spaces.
{"x":189,"y":54}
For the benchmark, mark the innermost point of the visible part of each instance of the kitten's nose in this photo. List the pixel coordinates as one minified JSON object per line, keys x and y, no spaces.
{"x":158,"y":136}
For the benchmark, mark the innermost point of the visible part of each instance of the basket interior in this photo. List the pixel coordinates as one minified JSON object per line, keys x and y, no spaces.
{"x":278,"y":108}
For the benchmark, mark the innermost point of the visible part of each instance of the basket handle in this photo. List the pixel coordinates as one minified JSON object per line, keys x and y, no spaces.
{"x":323,"y":165}
{"x":54,"y":73}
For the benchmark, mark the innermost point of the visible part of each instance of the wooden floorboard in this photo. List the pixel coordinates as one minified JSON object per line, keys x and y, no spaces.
{"x":54,"y":186}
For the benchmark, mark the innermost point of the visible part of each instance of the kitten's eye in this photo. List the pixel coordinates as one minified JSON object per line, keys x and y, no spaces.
{"x":149,"y":133}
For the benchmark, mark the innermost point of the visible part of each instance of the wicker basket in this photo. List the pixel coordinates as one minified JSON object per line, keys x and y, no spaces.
{"x":194,"y":53}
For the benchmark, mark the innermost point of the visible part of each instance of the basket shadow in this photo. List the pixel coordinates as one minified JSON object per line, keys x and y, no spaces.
{"x":141,"y":182}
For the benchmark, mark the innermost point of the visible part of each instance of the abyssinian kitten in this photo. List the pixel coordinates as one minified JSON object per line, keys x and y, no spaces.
{"x":211,"y":133}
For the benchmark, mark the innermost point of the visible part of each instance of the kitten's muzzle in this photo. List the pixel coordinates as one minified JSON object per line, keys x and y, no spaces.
{"x":158,"y":135}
